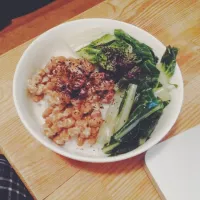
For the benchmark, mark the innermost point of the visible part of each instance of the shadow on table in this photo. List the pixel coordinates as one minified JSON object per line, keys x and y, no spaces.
{"x":125,"y":166}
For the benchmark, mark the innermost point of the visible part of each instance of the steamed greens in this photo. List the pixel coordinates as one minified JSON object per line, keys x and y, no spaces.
{"x":142,"y":88}
{"x":125,"y":106}
{"x":168,"y":61}
{"x":109,"y":52}
{"x":167,"y":68}
{"x":108,"y":127}
{"x":146,"y":105}
{"x":142,"y":51}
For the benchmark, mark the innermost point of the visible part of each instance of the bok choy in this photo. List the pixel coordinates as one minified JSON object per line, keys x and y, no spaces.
{"x":108,"y":127}
{"x":126,"y":106}
{"x":146,"y":105}
{"x":143,"y":88}
{"x":167,"y":66}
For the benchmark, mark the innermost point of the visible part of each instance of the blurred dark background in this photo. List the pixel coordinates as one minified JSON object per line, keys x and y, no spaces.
{"x":10,"y":9}
{"x":22,"y":20}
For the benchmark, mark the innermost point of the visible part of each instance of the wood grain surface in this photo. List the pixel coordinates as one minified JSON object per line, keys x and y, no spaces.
{"x":50,"y":176}
{"x":33,"y":24}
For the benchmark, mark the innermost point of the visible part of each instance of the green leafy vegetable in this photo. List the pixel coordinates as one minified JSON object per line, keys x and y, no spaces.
{"x":119,"y":54}
{"x":130,"y":122}
{"x":103,"y":40}
{"x":162,"y":93}
{"x":110,"y":53}
{"x":146,"y":78}
{"x":167,"y":69}
{"x":126,"y":106}
{"x":137,"y":136}
{"x":167,"y":66}
{"x":142,"y":51}
{"x":168,"y":61}
{"x":146,"y":105}
{"x":108,"y":126}
{"x":91,"y":54}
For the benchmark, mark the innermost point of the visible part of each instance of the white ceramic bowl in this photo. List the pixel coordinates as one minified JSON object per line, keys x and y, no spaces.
{"x":75,"y":34}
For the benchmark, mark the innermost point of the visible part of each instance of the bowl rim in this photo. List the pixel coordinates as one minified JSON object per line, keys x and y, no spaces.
{"x":79,"y":157}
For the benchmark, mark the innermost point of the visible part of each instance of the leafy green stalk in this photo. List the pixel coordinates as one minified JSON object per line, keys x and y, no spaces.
{"x":107,"y":38}
{"x":142,"y":51}
{"x":168,"y":61}
{"x":133,"y":122}
{"x":119,"y":54}
{"x":109,"y":52}
{"x":162,"y":93}
{"x":91,"y":54}
{"x":108,"y":126}
{"x":167,"y":69}
{"x":146,"y":105}
{"x":167,"y":66}
{"x":137,"y":135}
{"x":147,"y":78}
{"x":126,"y":106}
{"x":127,"y":129}
{"x":147,"y":126}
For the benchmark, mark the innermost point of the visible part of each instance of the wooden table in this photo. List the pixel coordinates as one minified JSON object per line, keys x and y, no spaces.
{"x":50,"y":176}
{"x":35,"y":23}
